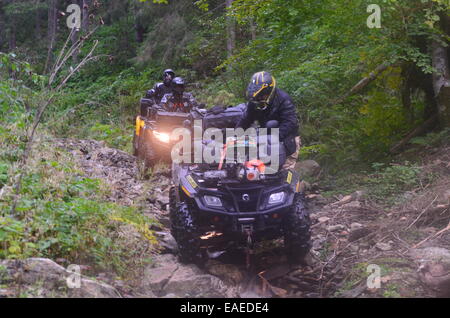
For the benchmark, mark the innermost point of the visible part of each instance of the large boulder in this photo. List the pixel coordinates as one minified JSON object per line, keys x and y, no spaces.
{"x":434,"y":268}
{"x":41,"y":277}
{"x":168,"y":278}
{"x":307,"y":168}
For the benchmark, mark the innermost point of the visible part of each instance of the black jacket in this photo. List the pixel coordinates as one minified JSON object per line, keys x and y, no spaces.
{"x":281,"y":109}
{"x":184,"y":103}
{"x":158,"y":92}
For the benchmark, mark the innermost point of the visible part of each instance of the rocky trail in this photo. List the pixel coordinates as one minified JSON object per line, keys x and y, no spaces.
{"x":353,"y":241}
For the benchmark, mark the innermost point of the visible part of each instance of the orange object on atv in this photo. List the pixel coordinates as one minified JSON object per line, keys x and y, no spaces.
{"x":255,"y":163}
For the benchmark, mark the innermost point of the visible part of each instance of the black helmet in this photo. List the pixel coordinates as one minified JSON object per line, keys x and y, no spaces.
{"x":168,"y":76}
{"x":261,"y":89}
{"x":178,"y":85}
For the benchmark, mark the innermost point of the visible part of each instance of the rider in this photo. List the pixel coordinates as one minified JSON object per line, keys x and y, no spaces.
{"x":266,"y":102}
{"x":161,"y":89}
{"x":178,"y":100}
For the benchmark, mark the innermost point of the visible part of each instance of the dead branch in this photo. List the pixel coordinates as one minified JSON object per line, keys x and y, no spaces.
{"x":364,"y":82}
{"x":433,"y":236}
{"x":420,"y":215}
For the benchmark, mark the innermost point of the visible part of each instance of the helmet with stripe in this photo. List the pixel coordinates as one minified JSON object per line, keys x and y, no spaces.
{"x":261,"y":89}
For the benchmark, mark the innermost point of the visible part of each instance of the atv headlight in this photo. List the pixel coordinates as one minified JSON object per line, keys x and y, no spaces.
{"x":276,"y":198}
{"x":163,"y":137}
{"x":212,"y":201}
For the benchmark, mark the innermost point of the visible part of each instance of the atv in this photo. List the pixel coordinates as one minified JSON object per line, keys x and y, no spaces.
{"x":238,"y":200}
{"x":152,"y":142}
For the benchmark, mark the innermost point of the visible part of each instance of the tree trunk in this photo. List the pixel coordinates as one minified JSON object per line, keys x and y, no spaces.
{"x":441,"y":82}
{"x":37,"y":28}
{"x":253,"y":29}
{"x":2,"y":26}
{"x":51,"y":32}
{"x":12,"y":32}
{"x":231,"y":30}
{"x":140,"y":30}
{"x":85,"y":19}
{"x":12,"y":36}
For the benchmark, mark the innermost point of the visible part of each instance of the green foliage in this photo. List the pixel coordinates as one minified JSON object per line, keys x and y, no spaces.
{"x":433,"y":139}
{"x":4,"y":169}
{"x":62,"y":213}
{"x":387,"y":182}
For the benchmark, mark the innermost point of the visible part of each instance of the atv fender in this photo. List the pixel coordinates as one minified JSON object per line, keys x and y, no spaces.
{"x":293,"y":179}
{"x":188,"y":185}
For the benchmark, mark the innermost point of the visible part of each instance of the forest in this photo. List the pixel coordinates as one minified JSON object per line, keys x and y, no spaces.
{"x":370,"y":80}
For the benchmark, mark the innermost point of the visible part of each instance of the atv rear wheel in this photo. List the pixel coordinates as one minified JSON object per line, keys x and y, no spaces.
{"x":145,"y":150}
{"x":184,"y":230}
{"x":297,"y":234}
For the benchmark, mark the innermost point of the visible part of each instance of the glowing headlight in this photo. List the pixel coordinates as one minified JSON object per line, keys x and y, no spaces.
{"x":162,"y":137}
{"x":212,"y":201}
{"x":276,"y":198}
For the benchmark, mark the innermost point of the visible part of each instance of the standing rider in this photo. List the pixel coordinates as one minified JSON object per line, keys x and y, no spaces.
{"x":178,"y":100}
{"x":266,"y":102}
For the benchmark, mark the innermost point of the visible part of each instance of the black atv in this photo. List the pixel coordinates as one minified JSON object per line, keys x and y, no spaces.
{"x":241,"y":202}
{"x":152,"y":139}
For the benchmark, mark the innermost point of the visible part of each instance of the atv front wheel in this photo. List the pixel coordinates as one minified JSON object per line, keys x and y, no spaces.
{"x":297,"y":234}
{"x":145,"y":150}
{"x":184,"y":230}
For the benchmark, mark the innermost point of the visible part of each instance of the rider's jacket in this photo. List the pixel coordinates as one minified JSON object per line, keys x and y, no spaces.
{"x":158,"y":92}
{"x":281,"y":109}
{"x":178,"y":103}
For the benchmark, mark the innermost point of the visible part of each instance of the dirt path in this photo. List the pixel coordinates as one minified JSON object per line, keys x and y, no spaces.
{"x":350,"y":236}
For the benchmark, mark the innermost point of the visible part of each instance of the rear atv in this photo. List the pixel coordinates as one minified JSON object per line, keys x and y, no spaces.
{"x":152,"y":137}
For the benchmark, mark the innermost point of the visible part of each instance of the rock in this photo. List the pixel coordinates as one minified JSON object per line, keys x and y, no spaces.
{"x":323,"y":219}
{"x":167,"y":241}
{"x":354,"y":248}
{"x":168,"y":278}
{"x":317,"y":199}
{"x":156,"y":276}
{"x":162,"y":200}
{"x":355,"y":226}
{"x":93,"y":289}
{"x":335,"y":228}
{"x":436,"y":276}
{"x":358,"y":233}
{"x":52,"y":280}
{"x":189,"y":281}
{"x":318,"y":242}
{"x":383,"y":246}
{"x":445,"y":197}
{"x":434,"y":269}
{"x":305,"y":186}
{"x":430,"y":254}
{"x":227,"y":272}
{"x":307,"y":168}
{"x":350,"y":201}
{"x":352,"y":205}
